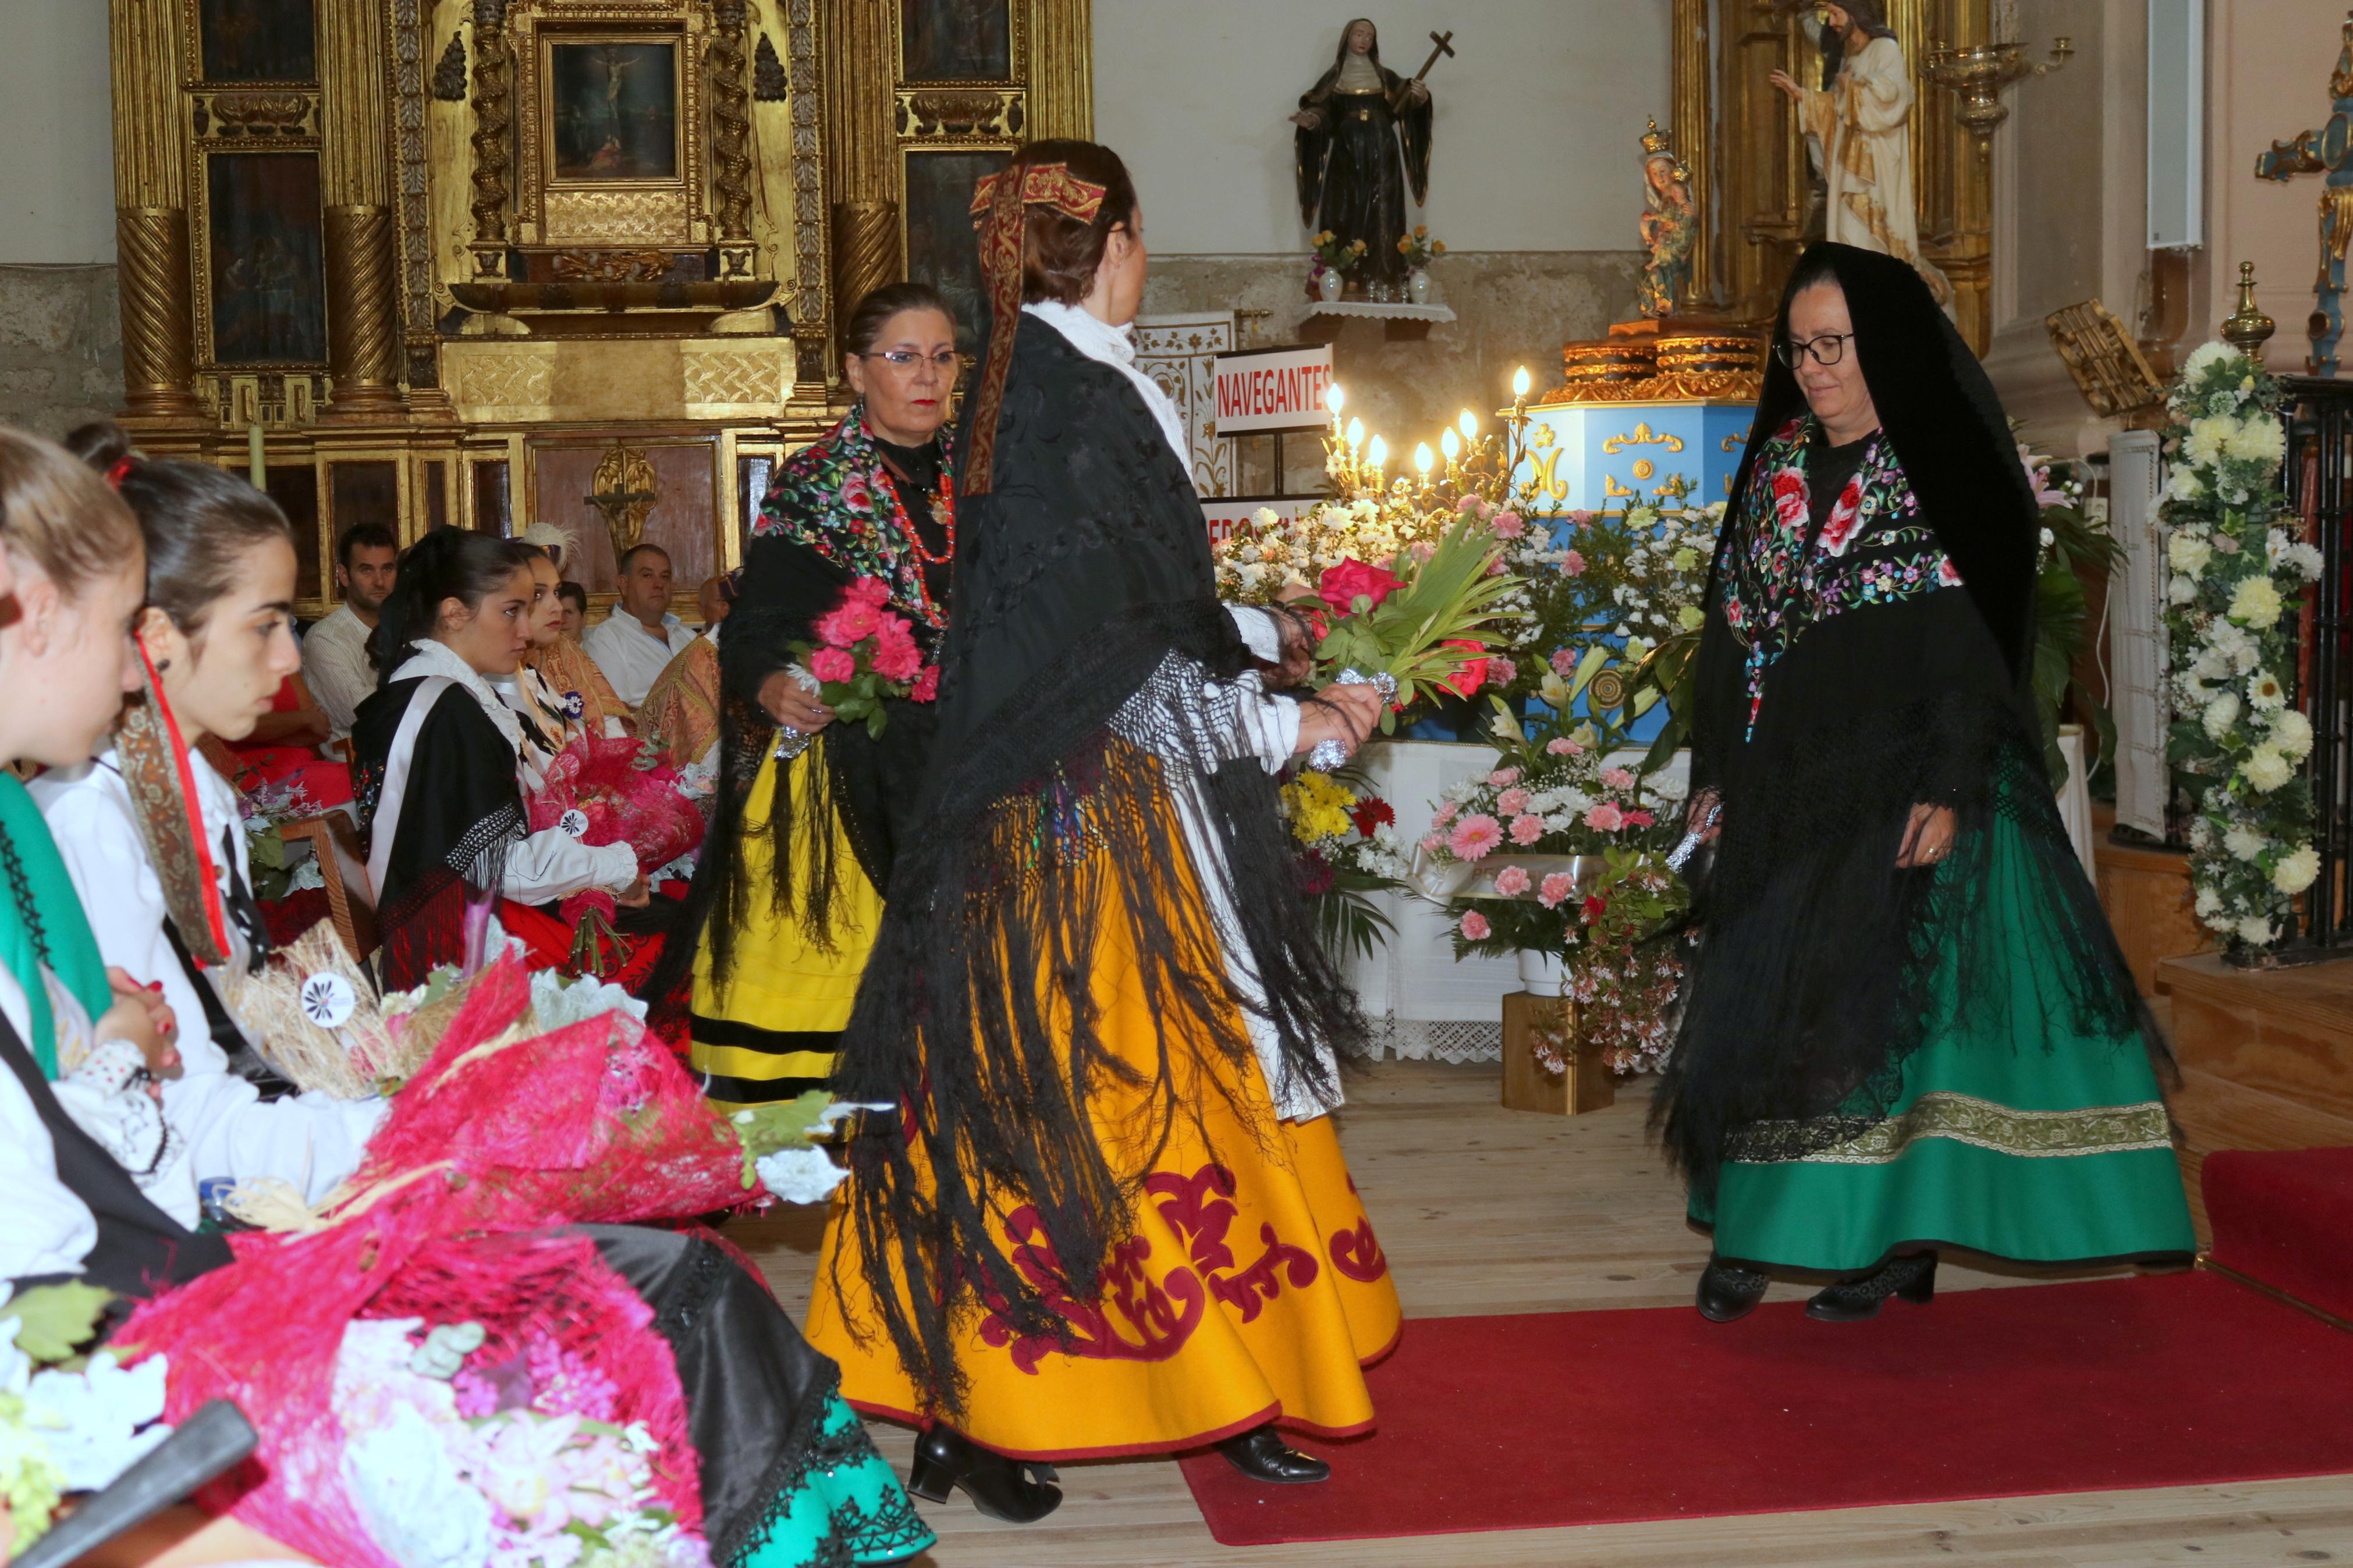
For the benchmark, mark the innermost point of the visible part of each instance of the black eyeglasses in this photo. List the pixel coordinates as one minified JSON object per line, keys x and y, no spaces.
{"x":1828,"y":349}
{"x":944,"y":362}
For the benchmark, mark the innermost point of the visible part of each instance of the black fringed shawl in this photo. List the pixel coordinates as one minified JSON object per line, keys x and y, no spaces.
{"x":1812,"y":979}
{"x":827,"y":519}
{"x":1085,"y":608}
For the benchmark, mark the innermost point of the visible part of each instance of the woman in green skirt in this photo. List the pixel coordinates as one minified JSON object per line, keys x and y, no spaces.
{"x":1907,"y":1026}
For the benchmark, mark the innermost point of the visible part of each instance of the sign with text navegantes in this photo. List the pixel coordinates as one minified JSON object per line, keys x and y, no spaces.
{"x":1264,"y":390}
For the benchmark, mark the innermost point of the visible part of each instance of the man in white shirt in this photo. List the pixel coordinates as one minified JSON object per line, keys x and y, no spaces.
{"x":634,"y":644}
{"x":335,"y":652}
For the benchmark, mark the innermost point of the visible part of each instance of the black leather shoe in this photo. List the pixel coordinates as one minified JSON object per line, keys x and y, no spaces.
{"x":1727,"y":1291}
{"x":1914,"y":1279}
{"x":1000,"y":1487}
{"x":1263,"y":1457}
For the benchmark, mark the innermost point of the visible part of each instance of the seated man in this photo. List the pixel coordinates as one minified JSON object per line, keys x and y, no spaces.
{"x":640,"y":636}
{"x":335,"y":652}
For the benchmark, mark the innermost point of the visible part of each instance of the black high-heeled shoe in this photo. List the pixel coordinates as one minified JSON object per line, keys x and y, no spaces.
{"x":1912,"y":1279}
{"x":1262,"y":1455}
{"x":1727,"y":1291}
{"x":1010,"y":1489}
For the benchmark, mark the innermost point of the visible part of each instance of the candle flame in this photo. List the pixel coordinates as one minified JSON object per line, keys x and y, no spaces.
{"x":1379,"y":452}
{"x":1470,"y":423}
{"x":1449,"y":445}
{"x":1356,"y":433}
{"x":1521,"y":381}
{"x":1335,"y":399}
{"x":1421,"y":460}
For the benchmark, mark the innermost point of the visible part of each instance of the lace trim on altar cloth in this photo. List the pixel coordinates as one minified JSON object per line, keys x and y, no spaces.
{"x":1965,"y":1119}
{"x":1437,"y":1040}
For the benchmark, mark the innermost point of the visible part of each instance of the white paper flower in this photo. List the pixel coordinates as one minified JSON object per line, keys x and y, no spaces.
{"x":2254,"y":931}
{"x":2244,"y":843}
{"x":2297,"y":870}
{"x":2220,"y":715}
{"x":2209,"y":438}
{"x":2183,"y":483}
{"x":2303,"y":559}
{"x":2260,"y":438}
{"x":2187,"y":553}
{"x":2180,"y":591}
{"x":2255,"y":602}
{"x":2267,"y":770}
{"x":2292,"y":733}
{"x":2206,"y":356}
{"x":407,"y":1489}
{"x":92,"y":1419}
{"x":801,"y":1176}
{"x":2265,"y":693}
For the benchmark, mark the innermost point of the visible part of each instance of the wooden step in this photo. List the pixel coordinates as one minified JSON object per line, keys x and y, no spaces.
{"x":2283,"y":1032}
{"x":2146,"y":895}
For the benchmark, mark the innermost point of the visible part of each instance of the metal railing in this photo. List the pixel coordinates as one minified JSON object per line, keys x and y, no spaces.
{"x":2320,"y":492}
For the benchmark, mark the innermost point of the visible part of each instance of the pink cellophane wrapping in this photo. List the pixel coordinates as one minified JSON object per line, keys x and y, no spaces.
{"x":624,"y":804}
{"x":477,"y":1164}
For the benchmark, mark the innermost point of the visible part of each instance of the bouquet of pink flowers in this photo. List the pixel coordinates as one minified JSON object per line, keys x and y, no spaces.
{"x":865,"y":654}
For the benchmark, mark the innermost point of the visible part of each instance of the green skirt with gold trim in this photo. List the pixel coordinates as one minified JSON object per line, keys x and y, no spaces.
{"x":2006,"y":1136}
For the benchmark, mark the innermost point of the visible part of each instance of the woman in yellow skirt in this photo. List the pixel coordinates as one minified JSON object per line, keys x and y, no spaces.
{"x":1109,"y":1215}
{"x":785,"y":899}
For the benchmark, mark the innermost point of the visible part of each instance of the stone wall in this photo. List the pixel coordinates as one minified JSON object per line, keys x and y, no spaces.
{"x":1515,"y":308}
{"x":61,"y":347}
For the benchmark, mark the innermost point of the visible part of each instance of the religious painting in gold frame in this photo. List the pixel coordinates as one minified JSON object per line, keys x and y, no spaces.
{"x":940,"y":247}
{"x":955,"y":40}
{"x":610,"y":123}
{"x":612,"y":106}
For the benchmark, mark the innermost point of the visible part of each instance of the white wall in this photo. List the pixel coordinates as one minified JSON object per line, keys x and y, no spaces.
{"x":1536,"y":145}
{"x":56,"y":180}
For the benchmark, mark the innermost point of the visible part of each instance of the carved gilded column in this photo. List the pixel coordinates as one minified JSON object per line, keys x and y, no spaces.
{"x":355,"y":187}
{"x":494,"y":117}
{"x":1062,"y":69}
{"x":860,"y":76}
{"x":151,"y":213}
{"x":731,"y":138}
{"x":1694,"y":131}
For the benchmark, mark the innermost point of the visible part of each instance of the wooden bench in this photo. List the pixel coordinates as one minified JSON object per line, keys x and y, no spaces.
{"x":350,"y":899}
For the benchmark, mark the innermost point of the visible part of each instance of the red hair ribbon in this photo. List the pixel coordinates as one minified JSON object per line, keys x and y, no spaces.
{"x":1000,"y":216}
{"x":216,"y":914}
{"x":117,"y":474}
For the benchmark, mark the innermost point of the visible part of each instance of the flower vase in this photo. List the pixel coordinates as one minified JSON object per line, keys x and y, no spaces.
{"x":1329,"y":284}
{"x":1542,"y":973}
{"x":1416,"y":284}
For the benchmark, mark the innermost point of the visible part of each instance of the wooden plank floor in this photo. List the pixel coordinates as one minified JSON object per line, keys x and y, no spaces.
{"x":1484,"y":1210}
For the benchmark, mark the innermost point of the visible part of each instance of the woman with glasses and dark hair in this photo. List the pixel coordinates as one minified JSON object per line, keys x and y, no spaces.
{"x":1907,"y":1026}
{"x":787,"y":896}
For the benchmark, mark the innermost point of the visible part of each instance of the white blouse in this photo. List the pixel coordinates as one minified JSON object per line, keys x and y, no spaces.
{"x":44,"y":1228}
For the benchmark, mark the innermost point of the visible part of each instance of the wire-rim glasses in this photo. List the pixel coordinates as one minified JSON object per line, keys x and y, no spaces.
{"x":904,"y":361}
{"x":1826,"y":350}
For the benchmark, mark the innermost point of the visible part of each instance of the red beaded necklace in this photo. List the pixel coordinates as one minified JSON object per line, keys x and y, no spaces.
{"x":943,"y":504}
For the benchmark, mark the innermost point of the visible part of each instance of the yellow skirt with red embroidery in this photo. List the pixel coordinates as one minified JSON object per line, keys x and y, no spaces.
{"x":1252,"y":1290}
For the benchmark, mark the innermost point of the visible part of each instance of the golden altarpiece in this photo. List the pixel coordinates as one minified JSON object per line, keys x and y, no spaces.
{"x":482,"y":263}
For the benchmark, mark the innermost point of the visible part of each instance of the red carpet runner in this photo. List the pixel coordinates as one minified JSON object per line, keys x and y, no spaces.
{"x":1518,"y":1423}
{"x":2285,"y":1217}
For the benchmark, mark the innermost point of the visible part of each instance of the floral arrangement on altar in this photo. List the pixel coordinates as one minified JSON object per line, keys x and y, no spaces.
{"x":2239,"y":567}
{"x":1332,"y":256}
{"x":1418,"y":249}
{"x":865,"y":653}
{"x":1347,"y":851}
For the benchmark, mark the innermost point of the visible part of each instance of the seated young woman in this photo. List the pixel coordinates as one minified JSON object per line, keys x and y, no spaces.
{"x":436,"y":755}
{"x":151,"y":836}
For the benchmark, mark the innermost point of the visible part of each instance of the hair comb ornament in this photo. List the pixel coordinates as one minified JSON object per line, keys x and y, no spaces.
{"x":1043,"y":185}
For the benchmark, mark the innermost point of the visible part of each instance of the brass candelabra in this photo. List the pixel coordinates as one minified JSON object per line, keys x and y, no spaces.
{"x":1475,"y":461}
{"x":1978,"y":74}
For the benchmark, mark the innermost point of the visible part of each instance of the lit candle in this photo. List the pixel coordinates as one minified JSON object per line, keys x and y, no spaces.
{"x":1356,"y":433}
{"x":257,"y":459}
{"x":1450,"y":444}
{"x":1470,"y":423}
{"x":1378,"y":453}
{"x":1421,"y":461}
{"x":1335,"y":399}
{"x":1520,"y":385}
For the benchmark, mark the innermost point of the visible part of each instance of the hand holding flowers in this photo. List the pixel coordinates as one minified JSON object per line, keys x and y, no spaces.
{"x":864,"y":654}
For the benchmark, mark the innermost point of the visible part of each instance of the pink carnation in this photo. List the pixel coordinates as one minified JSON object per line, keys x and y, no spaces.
{"x":1605,"y":817}
{"x":1467,"y":505}
{"x":1507,"y":525}
{"x":833,"y":664}
{"x":1474,"y":835}
{"x":1511,"y":881}
{"x":1580,"y":516}
{"x":1445,"y":815}
{"x":871,"y":590}
{"x":1617,"y":778}
{"x":1638,"y":819}
{"x":1564,"y":663}
{"x":1512,"y":802}
{"x":1475,"y":926}
{"x":1503,"y":777}
{"x":1561,"y":746}
{"x":1573,"y":565}
{"x":1557,"y":887}
{"x":1432,"y":842}
{"x":1527,"y":830}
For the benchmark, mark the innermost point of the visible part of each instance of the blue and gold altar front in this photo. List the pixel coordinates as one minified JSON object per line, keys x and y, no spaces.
{"x":1653,"y":411}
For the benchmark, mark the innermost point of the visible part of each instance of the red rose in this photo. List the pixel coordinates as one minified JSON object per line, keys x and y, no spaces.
{"x":833,"y":664}
{"x":1790,"y":498}
{"x":1370,"y":813}
{"x":897,"y":661}
{"x":870,"y":590}
{"x":1341,"y":586}
{"x":1844,"y":517}
{"x":927,"y":684}
{"x":1470,"y":673}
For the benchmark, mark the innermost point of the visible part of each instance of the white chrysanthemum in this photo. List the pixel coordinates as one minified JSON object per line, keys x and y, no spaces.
{"x":2187,"y":553}
{"x":2211,"y":663}
{"x":2259,"y":439}
{"x":2292,"y":733}
{"x":2180,"y":591}
{"x":2301,"y":559}
{"x":2244,"y":843}
{"x":2267,"y":769}
{"x":2210,"y":904}
{"x":2183,"y":484}
{"x":2220,"y":715}
{"x":2297,"y":870}
{"x":2264,"y":692}
{"x":2202,"y":834}
{"x":2209,"y":438}
{"x":2206,"y":354}
{"x":2255,"y":602}
{"x":2254,"y":931}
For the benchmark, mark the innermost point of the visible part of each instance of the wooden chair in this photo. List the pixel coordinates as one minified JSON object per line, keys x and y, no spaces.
{"x":350,"y":899}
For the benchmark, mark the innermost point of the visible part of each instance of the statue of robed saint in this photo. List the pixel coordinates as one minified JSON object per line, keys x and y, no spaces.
{"x":1363,"y":142}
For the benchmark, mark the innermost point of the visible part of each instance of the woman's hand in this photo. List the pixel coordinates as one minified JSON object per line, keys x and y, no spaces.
{"x":1342,"y":713}
{"x":1780,"y":79}
{"x":1298,"y":660}
{"x":1927,"y":837}
{"x":1702,"y":816}
{"x":635,"y":896}
{"x":793,"y":705}
{"x":143,"y":1017}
